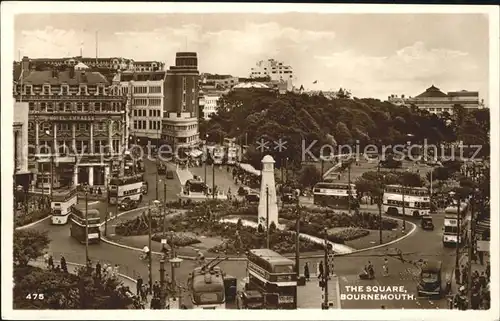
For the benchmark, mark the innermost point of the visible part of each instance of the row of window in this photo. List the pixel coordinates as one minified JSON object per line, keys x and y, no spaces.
{"x":68,"y":90}
{"x":144,"y":89}
{"x":83,"y":126}
{"x":81,"y":146}
{"x":142,"y":113}
{"x":181,"y":140}
{"x":147,"y":102}
{"x":141,"y":124}
{"x":172,"y":128}
{"x":75,"y":106}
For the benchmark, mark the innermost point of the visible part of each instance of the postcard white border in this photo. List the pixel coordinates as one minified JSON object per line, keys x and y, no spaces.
{"x":9,"y":9}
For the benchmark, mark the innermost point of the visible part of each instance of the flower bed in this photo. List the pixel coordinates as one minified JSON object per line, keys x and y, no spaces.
{"x":350,"y":233}
{"x":179,"y":239}
{"x":25,"y":219}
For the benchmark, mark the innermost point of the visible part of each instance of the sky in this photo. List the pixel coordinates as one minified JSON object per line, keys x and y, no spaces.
{"x":372,"y":55}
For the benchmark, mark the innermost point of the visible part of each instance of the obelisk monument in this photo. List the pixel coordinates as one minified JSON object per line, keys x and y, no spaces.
{"x":268,"y":204}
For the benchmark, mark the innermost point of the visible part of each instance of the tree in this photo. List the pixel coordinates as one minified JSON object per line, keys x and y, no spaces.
{"x":29,"y":245}
{"x":309,"y":176}
{"x":253,"y":157}
{"x":343,"y":94}
{"x":81,"y":290}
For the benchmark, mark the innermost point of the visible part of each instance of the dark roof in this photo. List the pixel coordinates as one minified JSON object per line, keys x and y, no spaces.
{"x":143,"y":76}
{"x":432,"y":91}
{"x":17,"y":71}
{"x":84,"y":77}
{"x":463,"y":93}
{"x":432,"y":266}
{"x":271,"y":256}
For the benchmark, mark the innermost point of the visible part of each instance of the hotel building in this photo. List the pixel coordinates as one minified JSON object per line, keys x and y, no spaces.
{"x":437,"y":102}
{"x":180,"y":117}
{"x":76,"y":124}
{"x":276,"y":70}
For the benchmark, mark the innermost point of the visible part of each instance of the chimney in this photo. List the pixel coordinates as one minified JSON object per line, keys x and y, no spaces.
{"x":25,"y":64}
{"x":54,"y":73}
{"x":72,"y":72}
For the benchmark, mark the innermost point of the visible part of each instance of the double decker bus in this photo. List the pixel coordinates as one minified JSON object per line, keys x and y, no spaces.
{"x":274,"y":276}
{"x":206,"y":286}
{"x":218,"y":155}
{"x":231,"y":155}
{"x":452,"y":235}
{"x":131,"y":187}
{"x":416,"y":200}
{"x":61,"y":205}
{"x":80,"y":217}
{"x":334,"y":194}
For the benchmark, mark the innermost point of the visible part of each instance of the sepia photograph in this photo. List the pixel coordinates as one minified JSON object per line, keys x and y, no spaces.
{"x":222,"y":156}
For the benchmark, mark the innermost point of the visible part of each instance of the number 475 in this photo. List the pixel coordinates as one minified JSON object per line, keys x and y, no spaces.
{"x":34,"y":296}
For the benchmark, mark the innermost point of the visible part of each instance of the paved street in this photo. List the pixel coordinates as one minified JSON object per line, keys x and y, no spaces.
{"x":422,"y":244}
{"x":223,"y":178}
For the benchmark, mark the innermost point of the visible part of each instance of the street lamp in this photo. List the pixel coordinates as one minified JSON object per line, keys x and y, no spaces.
{"x":155,"y":202}
{"x":175,"y":263}
{"x":51,"y":163}
{"x":86,"y":226}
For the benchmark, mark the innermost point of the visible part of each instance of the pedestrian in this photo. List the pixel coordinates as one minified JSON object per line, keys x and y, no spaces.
{"x":457,"y":276}
{"x":98,"y":270}
{"x":51,"y":262}
{"x":482,"y":280}
{"x":156,"y":289}
{"x":105,"y":269}
{"x":144,"y":292}
{"x":464,"y":275}
{"x":321,"y":270}
{"x":58,"y":268}
{"x":109,"y":270}
{"x":99,"y":191}
{"x":306,"y":271}
{"x":46,"y":259}
{"x":481,"y":257}
{"x":115,"y":270}
{"x":386,"y":267}
{"x":64,"y":265}
{"x":139,"y":285}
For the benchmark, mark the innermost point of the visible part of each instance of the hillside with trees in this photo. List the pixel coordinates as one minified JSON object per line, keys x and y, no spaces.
{"x":296,"y":118}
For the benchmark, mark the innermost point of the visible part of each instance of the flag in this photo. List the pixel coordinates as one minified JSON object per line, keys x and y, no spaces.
{"x":315,"y":82}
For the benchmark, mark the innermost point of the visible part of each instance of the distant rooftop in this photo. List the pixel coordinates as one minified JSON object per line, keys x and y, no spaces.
{"x":47,"y":77}
{"x":432,"y":91}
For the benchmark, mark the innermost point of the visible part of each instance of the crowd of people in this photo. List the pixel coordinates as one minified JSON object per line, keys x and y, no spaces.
{"x":480,"y":289}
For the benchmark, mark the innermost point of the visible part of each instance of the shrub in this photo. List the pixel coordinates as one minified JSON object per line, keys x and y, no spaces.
{"x":24,"y":219}
{"x":179,"y":239}
{"x":349,"y":234}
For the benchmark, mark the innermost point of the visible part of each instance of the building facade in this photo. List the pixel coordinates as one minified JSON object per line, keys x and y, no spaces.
{"x":180,"y":119}
{"x":275,"y":70}
{"x":20,"y":140}
{"x":435,"y":101}
{"x":398,"y":101}
{"x":76,"y":126}
{"x":210,"y":100}
{"x":145,"y":93}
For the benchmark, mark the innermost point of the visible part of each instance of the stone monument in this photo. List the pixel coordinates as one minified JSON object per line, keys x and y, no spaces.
{"x":268,"y":193}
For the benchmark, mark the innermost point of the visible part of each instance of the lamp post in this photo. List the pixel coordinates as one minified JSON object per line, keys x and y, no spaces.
{"x":297,"y":241}
{"x":175,"y":263}
{"x":349,"y":185}
{"x":86,"y":226}
{"x":459,"y":227}
{"x":51,"y":163}
{"x":381,"y":193}
{"x":326,"y":272}
{"x":213,"y":180}
{"x":156,"y":202}
{"x":205,"y":158}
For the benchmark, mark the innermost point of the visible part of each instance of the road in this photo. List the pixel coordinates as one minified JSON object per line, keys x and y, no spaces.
{"x":223,"y":178}
{"x":421,"y":244}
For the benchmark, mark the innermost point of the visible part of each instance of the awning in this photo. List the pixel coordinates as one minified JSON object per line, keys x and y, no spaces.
{"x":249,"y":168}
{"x":196,"y":153}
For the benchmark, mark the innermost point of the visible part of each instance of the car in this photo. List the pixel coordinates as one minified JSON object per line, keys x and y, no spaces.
{"x":169,"y":174}
{"x":128,"y":204}
{"x":426,"y":223}
{"x":289,"y":198}
{"x":252,"y":198}
{"x":431,"y":283}
{"x":250,"y":300}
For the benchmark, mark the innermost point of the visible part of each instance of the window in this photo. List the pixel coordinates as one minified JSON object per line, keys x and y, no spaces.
{"x":85,"y":146}
{"x":144,"y":124}
{"x":31,"y":106}
{"x":135,"y":124}
{"x":97,"y":106}
{"x":79,"y":106}
{"x":28,"y":89}
{"x":85,"y":106}
{"x":64,"y":89}
{"x":100,"y":90}
{"x":83,"y":126}
{"x":46,"y":90}
{"x":154,"y":89}
{"x":45,"y":126}
{"x":140,"y":90}
{"x":83,"y":90}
